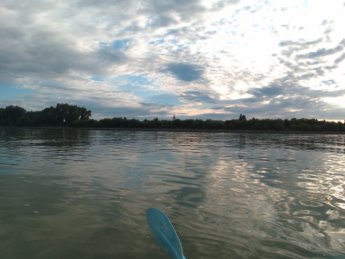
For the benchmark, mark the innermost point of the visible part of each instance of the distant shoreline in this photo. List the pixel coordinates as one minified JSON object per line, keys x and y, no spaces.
{"x":72,"y":116}
{"x":253,"y":131}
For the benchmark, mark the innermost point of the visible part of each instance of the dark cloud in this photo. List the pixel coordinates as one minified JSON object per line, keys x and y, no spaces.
{"x":185,"y":72}
{"x":321,"y":52}
{"x":269,"y":91}
{"x":102,"y":3}
{"x":329,"y":82}
{"x":303,"y":64}
{"x":42,"y":54}
{"x":340,"y":59}
{"x":109,"y":54}
{"x":284,"y":100}
{"x":301,"y":44}
{"x":297,"y":51}
{"x":158,"y":21}
{"x":221,"y":4}
{"x":159,"y":13}
{"x":185,"y":9}
{"x":293,"y":47}
{"x":199,"y":96}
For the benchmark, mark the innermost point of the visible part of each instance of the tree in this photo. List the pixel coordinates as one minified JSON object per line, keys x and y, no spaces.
{"x":69,"y":113}
{"x":242,"y":117}
{"x":11,"y":115}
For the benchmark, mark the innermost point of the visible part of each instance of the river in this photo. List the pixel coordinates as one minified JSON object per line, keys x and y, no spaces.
{"x":78,"y":193}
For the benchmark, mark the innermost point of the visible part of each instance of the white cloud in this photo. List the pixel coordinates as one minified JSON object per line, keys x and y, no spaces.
{"x":222,"y":48}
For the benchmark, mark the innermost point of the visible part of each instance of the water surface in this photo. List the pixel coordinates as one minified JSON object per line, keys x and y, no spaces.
{"x":70,"y":193}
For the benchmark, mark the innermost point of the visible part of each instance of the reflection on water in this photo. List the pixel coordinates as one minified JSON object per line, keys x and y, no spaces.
{"x":68,"y":193}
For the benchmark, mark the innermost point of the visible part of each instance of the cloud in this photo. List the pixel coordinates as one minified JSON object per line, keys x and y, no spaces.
{"x":308,"y":63}
{"x":339,"y":59}
{"x":281,"y":100}
{"x":185,"y":72}
{"x":269,"y":91}
{"x":323,"y":52}
{"x":199,"y":96}
{"x":200,"y":58}
{"x":110,"y":54}
{"x":42,"y":54}
{"x":300,"y":44}
{"x":141,"y":16}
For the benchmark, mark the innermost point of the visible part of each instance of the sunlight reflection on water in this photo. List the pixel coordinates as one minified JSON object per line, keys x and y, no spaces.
{"x":67,"y":193}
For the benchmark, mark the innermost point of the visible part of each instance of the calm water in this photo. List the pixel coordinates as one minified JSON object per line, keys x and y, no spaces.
{"x":83,"y":193}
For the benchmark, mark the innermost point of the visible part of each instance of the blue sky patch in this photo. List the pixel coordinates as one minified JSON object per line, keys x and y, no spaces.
{"x":120,"y":44}
{"x":12,"y":92}
{"x":97,"y":78}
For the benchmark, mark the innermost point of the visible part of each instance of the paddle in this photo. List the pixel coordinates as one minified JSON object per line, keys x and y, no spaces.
{"x":164,"y":233}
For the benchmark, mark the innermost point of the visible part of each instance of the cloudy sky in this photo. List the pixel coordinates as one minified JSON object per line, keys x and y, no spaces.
{"x":156,"y":58}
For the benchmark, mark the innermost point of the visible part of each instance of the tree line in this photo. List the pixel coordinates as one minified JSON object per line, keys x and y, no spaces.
{"x":60,"y":115}
{"x":65,"y":115}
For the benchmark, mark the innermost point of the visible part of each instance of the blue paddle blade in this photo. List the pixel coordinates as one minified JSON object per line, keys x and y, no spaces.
{"x":164,"y":233}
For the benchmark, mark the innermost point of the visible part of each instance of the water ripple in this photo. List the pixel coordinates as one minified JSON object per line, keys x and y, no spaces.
{"x":69,"y":193}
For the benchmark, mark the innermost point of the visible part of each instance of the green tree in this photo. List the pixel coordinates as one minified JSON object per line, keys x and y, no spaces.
{"x":11,"y":115}
{"x":64,"y":114}
{"x":69,"y":113}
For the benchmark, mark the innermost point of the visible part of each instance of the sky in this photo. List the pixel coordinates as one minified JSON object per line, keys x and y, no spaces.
{"x":193,"y":59}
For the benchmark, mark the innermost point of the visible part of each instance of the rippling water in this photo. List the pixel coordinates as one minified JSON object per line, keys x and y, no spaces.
{"x":68,"y":193}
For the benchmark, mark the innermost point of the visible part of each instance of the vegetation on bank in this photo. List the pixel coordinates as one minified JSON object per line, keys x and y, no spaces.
{"x":60,"y":115}
{"x":65,"y":115}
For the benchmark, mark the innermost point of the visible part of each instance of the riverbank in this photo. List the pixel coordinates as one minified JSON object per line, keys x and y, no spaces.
{"x":251,"y":131}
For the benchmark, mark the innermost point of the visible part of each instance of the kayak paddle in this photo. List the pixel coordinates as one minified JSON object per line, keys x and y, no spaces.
{"x":164,"y":233}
